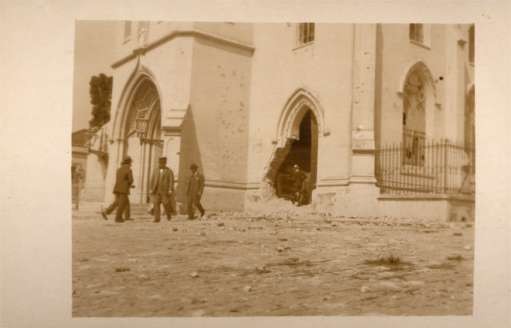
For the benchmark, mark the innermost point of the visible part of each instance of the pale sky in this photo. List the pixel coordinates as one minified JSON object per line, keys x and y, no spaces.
{"x":93,"y":55}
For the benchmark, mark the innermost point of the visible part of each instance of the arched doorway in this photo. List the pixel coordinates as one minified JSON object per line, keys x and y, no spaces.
{"x":419,"y":120}
{"x":302,"y":150}
{"x":142,"y":137}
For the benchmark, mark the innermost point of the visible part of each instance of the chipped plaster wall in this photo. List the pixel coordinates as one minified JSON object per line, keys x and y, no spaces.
{"x":170,"y":68}
{"x":215,"y":131}
{"x":324,"y":69}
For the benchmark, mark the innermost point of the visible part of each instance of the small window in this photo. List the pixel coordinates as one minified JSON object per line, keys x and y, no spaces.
{"x":305,"y":33}
{"x":127,"y":31}
{"x":416,"y":33}
{"x":471,"y":44}
{"x":142,"y":31}
{"x":142,"y":28}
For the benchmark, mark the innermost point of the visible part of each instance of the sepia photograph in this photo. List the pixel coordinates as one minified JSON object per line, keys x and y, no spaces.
{"x":245,"y":169}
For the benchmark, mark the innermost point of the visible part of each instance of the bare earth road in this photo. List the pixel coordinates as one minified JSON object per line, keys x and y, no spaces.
{"x":231,"y":265}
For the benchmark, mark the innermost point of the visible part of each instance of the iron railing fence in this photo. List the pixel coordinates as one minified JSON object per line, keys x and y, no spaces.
{"x":418,"y":165}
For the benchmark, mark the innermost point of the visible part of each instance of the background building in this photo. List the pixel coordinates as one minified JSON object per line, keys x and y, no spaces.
{"x":381,"y":116}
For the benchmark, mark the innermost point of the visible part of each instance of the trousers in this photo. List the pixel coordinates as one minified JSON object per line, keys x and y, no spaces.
{"x":122,"y":204}
{"x":165,"y":200}
{"x":194,"y":201}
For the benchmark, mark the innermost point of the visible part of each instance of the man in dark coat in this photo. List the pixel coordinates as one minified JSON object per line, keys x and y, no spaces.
{"x":194,"y":190}
{"x":298,"y":177}
{"x":162,"y":189}
{"x":123,"y":183}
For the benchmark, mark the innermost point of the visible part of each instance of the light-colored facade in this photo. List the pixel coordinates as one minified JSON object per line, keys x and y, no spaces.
{"x":244,"y":100}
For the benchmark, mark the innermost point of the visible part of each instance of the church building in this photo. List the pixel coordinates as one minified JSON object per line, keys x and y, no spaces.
{"x":379,"y":116}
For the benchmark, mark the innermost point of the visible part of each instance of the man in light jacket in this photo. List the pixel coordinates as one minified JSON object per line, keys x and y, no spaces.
{"x":162,"y":189}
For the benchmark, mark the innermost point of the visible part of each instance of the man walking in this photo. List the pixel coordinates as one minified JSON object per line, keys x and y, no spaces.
{"x":123,"y":183}
{"x":162,"y":189}
{"x":194,"y":191}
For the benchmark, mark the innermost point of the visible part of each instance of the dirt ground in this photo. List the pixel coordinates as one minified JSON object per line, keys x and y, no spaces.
{"x":228,"y":264}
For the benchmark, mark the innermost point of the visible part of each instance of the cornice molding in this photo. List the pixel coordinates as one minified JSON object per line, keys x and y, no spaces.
{"x":185,"y":33}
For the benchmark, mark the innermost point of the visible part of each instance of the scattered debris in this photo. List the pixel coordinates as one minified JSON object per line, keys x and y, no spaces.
{"x":247,"y":289}
{"x":220,"y":224}
{"x":174,"y":229}
{"x":202,"y":233}
{"x":455,"y":258}
{"x":386,"y":275}
{"x":262,"y":269}
{"x":122,"y":269}
{"x":415,"y":283}
{"x":388,"y":285}
{"x":364,"y":289}
{"x":194,"y":274}
{"x":458,"y":234}
{"x":444,"y":266}
{"x":198,"y":301}
{"x":467,"y":248}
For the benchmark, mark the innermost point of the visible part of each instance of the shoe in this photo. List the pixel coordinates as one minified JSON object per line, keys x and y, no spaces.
{"x":103,"y":214}
{"x":156,"y":221}
{"x":169,"y":218}
{"x":202,"y":214}
{"x":191,"y":218}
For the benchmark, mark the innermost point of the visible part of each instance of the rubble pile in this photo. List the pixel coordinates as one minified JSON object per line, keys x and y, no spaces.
{"x":278,"y":208}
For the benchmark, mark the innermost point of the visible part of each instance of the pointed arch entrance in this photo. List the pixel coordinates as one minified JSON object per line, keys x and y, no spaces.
{"x":302,"y":151}
{"x":298,"y":130}
{"x":142,"y":137}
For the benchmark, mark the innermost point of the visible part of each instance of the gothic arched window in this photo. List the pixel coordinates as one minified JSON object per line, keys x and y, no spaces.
{"x":414,"y":118}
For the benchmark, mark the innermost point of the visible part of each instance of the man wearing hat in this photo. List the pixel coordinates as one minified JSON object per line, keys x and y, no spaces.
{"x":194,"y":190}
{"x":123,"y":183}
{"x":162,"y":189}
{"x":298,"y":177}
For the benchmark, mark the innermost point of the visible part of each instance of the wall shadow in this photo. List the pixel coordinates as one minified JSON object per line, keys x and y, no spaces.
{"x":189,"y":153}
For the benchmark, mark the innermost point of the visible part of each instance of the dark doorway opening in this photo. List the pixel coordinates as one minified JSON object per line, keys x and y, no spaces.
{"x":302,"y":152}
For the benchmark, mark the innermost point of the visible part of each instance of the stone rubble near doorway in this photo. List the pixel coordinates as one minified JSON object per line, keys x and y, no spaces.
{"x":278,"y":207}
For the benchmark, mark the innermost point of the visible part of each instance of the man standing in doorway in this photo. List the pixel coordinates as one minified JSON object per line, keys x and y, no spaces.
{"x":162,"y":189}
{"x":298,"y":178}
{"x":194,"y":191}
{"x":123,"y":183}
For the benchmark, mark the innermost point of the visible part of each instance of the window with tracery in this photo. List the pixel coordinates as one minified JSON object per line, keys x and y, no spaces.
{"x":144,"y":101}
{"x":414,"y":119}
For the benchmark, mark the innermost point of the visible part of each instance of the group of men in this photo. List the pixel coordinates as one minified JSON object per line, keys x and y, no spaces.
{"x":162,"y":191}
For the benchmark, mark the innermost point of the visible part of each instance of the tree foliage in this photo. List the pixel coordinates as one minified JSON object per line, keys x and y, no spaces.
{"x":100,"y":89}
